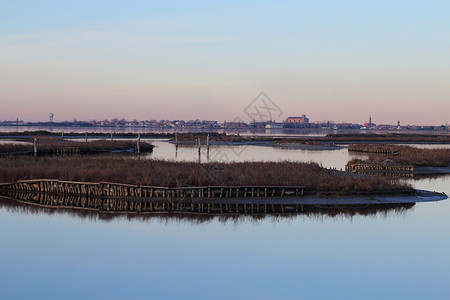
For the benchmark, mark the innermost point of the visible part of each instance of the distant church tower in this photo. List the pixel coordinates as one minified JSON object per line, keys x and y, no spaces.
{"x":370,"y":119}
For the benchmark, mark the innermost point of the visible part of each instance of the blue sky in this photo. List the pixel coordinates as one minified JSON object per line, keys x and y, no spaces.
{"x":331,"y":60}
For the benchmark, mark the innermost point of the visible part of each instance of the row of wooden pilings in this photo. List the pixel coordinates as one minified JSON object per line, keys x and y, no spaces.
{"x":155,"y":206}
{"x":106,"y":189}
{"x":385,"y":174}
{"x":379,"y":167}
{"x":371,"y":150}
{"x":381,"y":170}
{"x":199,"y":147}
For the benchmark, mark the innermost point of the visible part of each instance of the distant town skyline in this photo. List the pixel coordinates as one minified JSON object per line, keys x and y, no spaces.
{"x":299,"y":122}
{"x":171,"y":60}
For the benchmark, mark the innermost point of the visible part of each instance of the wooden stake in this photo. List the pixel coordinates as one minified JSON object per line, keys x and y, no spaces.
{"x":207,"y":147}
{"x":199,"y":150}
{"x":35,"y":146}
{"x":139,"y":144}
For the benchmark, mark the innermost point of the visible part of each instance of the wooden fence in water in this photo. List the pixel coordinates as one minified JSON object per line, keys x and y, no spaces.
{"x":107,"y":189}
{"x":380,"y":169}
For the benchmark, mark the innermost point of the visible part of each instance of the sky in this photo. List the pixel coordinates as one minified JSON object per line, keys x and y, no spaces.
{"x":331,"y":60}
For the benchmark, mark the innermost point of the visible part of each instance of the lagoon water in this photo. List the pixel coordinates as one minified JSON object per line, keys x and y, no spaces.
{"x":399,"y":254}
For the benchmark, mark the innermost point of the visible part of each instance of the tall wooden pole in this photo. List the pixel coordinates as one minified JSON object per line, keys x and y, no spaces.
{"x":207,"y":147}
{"x":35,"y":147}
{"x":139,"y":144}
{"x":199,"y":150}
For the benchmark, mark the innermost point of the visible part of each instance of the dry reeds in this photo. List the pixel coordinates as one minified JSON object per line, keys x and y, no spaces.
{"x":377,"y":138}
{"x":404,"y":155}
{"x":49,"y":145}
{"x":177,"y":174}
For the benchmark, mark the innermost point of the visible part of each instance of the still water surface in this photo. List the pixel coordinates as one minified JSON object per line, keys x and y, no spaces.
{"x":391,"y":255}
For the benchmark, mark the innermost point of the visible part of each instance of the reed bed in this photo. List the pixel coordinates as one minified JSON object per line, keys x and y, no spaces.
{"x":391,"y":137}
{"x":45,"y":133}
{"x":330,"y":138}
{"x":404,"y":155}
{"x":177,"y":174}
{"x":215,"y":136}
{"x":48,"y":144}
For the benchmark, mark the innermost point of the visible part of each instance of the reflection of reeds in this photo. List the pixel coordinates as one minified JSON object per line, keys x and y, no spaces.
{"x":314,"y":212}
{"x":176,"y":174}
{"x":404,"y":155}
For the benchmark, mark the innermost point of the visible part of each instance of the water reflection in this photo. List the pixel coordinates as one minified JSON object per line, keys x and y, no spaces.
{"x":108,"y":210}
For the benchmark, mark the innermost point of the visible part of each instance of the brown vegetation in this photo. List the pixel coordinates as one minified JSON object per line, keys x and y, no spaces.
{"x":214,"y":136}
{"x":45,"y":133}
{"x":49,"y":145}
{"x":330,"y":138}
{"x":389,"y":137}
{"x":176,"y":174}
{"x":404,"y":155}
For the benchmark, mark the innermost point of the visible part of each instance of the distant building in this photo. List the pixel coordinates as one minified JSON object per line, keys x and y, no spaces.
{"x":370,"y":124}
{"x":298,"y":120}
{"x":274,"y":125}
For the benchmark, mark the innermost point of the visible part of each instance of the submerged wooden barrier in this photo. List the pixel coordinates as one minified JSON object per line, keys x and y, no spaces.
{"x":107,"y":189}
{"x":161,"y":205}
{"x":380,"y":169}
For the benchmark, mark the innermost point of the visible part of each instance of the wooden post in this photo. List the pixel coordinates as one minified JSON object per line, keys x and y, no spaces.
{"x":139,"y":144}
{"x":35,"y":146}
{"x":85,"y":136}
{"x":207,"y":147}
{"x":176,"y":144}
{"x":111,"y":136}
{"x":62,"y":135}
{"x":199,"y":150}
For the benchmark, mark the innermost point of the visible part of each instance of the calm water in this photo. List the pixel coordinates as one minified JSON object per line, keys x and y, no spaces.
{"x":390,"y":255}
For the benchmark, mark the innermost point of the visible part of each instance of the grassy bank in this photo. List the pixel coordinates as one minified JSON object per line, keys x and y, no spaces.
{"x":44,"y":133}
{"x":176,"y":174}
{"x":49,"y":145}
{"x":330,"y":138}
{"x":223,"y":137}
{"x":404,"y":155}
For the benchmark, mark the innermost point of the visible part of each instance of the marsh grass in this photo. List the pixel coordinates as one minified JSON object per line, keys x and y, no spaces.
{"x":176,"y":174}
{"x":355,"y":137}
{"x":46,"y":144}
{"x":405,"y":155}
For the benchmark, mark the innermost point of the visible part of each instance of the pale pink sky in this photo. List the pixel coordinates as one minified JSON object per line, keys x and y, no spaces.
{"x":334,"y":62}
